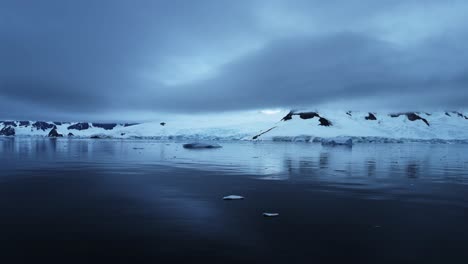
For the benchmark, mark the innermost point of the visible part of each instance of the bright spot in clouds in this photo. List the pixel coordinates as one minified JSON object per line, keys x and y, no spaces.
{"x":270,"y":111}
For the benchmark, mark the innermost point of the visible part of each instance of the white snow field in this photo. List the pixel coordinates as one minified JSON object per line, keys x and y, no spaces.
{"x":314,"y":126}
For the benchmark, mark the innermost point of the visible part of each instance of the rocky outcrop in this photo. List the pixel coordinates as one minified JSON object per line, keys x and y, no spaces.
{"x":108,"y":126}
{"x":7,"y":131}
{"x":71,"y":134}
{"x":307,"y":115}
{"x":54,"y":133}
{"x":24,"y":123}
{"x":288,"y":116}
{"x":41,"y":125}
{"x":411,"y":117}
{"x":9,"y":123}
{"x":130,"y":124}
{"x":79,"y":126}
{"x":460,"y":114}
{"x":349,"y":113}
{"x":324,"y":122}
{"x":371,"y":116}
{"x":162,"y":123}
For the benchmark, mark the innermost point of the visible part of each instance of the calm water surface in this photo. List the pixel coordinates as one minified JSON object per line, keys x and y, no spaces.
{"x":89,"y":201}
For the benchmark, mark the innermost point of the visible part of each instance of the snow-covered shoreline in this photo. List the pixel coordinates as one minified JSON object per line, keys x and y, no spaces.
{"x":298,"y":126}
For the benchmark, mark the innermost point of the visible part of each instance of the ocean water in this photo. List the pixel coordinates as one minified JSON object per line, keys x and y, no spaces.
{"x":139,"y":201}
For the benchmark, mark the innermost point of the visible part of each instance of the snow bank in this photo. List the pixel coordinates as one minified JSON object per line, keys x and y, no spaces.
{"x":305,"y":126}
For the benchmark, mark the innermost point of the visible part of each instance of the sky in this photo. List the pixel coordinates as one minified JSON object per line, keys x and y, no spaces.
{"x":131,"y":60}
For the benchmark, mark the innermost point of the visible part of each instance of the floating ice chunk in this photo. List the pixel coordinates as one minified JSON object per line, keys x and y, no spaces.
{"x":233,"y":197}
{"x":270,"y":214}
{"x":200,"y":146}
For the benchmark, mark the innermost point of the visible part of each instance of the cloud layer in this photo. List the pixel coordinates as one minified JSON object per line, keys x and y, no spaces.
{"x":108,"y":59}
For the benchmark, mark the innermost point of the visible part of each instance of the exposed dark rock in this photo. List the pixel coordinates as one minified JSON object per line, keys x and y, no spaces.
{"x":7,"y":131}
{"x":288,"y":116}
{"x":54,"y":133}
{"x":71,"y":134}
{"x":162,"y":123}
{"x":41,"y":125}
{"x":200,"y":146}
{"x":460,"y":114}
{"x":447,"y":114}
{"x":9,"y":123}
{"x":324,"y":122}
{"x":130,"y":124}
{"x":57,"y":123}
{"x":411,"y":117}
{"x":24,"y":123}
{"x":122,"y":134}
{"x":261,"y":133}
{"x":349,"y":113}
{"x":371,"y":116}
{"x":308,"y":115}
{"x":79,"y":126}
{"x":109,"y":126}
{"x":414,"y":117}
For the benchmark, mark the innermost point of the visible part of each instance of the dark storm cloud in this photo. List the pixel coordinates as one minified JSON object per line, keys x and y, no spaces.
{"x":81,"y":59}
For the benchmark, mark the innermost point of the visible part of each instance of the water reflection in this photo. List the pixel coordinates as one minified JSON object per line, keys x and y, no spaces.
{"x":266,"y":160}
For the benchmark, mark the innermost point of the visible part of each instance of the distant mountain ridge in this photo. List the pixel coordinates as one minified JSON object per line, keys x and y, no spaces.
{"x":278,"y":126}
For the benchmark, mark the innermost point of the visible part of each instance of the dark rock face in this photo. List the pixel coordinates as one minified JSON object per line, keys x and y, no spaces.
{"x":57,"y":123}
{"x":7,"y":131}
{"x":411,"y":117}
{"x":24,"y":123}
{"x":70,"y":134}
{"x":130,"y":124}
{"x":41,"y":125}
{"x":162,"y":123}
{"x":109,"y":126}
{"x":308,"y":115}
{"x":288,"y":116}
{"x":414,"y":117}
{"x":324,"y":122}
{"x":349,"y":113}
{"x":54,"y":133}
{"x":447,"y":114}
{"x":460,"y":115}
{"x":79,"y":126}
{"x":371,"y":116}
{"x":9,"y":123}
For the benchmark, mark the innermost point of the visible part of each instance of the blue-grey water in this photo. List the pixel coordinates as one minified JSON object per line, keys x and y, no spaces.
{"x":124,"y":201}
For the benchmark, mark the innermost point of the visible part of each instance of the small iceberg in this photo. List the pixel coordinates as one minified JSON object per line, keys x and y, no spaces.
{"x":233,"y":197}
{"x":201,"y":146}
{"x":270,"y":214}
{"x":337,"y":141}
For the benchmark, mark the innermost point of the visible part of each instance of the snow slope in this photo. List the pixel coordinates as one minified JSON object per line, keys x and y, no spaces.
{"x":272,"y":125}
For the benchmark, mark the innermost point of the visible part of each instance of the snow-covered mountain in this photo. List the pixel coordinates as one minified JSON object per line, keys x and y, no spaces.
{"x":266,"y":125}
